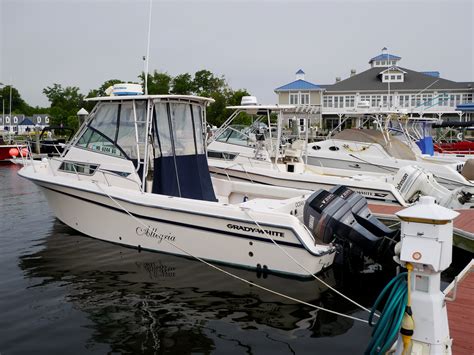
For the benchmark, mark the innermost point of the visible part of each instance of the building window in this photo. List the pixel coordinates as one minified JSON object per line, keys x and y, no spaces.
{"x":327,"y":101}
{"x":466,"y":98}
{"x":338,"y":101}
{"x":454,"y":100}
{"x":365,"y":99}
{"x":375,"y":100}
{"x":392,"y":77}
{"x":404,"y":100}
{"x":443,"y":100}
{"x":415,"y":100}
{"x":305,"y":99}
{"x":293,"y":99}
{"x":427,"y":99}
{"x":349,"y":101}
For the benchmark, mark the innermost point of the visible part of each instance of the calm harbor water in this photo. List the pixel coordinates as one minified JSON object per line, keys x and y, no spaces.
{"x":62,"y":292}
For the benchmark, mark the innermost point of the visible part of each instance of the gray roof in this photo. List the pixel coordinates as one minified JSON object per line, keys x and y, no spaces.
{"x":370,"y":80}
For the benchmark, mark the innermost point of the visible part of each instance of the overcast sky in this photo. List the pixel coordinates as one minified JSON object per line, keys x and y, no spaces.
{"x":257,"y":45}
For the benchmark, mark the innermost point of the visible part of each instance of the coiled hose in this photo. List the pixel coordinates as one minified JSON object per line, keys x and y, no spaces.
{"x":388,"y":325}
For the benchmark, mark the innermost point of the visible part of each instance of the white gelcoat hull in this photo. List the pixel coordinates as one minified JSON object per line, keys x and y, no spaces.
{"x":375,"y":160}
{"x":206,"y":234}
{"x":374,"y":191}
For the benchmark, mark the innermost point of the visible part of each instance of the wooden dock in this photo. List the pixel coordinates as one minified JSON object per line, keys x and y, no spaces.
{"x":461,"y":311}
{"x":463,"y":224}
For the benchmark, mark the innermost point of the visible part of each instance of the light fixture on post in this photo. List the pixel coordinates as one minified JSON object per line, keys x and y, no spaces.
{"x":82,"y":115}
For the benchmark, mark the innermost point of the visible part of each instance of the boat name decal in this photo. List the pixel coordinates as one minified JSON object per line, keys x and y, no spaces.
{"x":270,"y":232}
{"x":154,"y":233}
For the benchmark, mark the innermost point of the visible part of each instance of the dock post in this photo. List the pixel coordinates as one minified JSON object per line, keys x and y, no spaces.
{"x":427,"y":244}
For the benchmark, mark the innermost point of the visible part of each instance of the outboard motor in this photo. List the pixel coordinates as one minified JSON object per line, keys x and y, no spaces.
{"x":342,"y":216}
{"x":330,"y":217}
{"x":361,"y":212}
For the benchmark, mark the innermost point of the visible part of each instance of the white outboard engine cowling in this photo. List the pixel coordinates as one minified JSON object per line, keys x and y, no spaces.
{"x":412,"y":182}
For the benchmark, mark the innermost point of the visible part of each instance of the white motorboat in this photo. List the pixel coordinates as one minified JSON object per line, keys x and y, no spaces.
{"x":136,"y":174}
{"x":257,"y":154}
{"x":372,"y":151}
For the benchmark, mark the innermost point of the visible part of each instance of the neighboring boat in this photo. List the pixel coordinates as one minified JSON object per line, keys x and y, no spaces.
{"x":9,"y":148}
{"x":372,"y":151}
{"x":263,"y":155}
{"x":49,"y":143}
{"x":136,"y":174}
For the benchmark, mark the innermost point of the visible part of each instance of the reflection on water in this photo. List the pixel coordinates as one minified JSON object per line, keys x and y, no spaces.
{"x":150,"y":301}
{"x":62,"y":292}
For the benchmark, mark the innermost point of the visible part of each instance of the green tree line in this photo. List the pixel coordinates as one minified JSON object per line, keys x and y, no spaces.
{"x":66,"y":101}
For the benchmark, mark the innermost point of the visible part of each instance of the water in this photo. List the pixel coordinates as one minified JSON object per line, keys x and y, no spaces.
{"x":62,"y":292}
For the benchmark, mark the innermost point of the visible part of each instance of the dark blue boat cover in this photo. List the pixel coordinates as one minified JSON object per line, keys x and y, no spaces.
{"x":191,"y":172}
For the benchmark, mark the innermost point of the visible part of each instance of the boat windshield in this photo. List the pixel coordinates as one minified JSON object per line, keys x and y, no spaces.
{"x":237,"y":134}
{"x":177,"y":129}
{"x":112,"y":129}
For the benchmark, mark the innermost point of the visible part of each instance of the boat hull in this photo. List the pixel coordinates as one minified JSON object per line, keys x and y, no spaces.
{"x":233,"y":241}
{"x":298,"y":181}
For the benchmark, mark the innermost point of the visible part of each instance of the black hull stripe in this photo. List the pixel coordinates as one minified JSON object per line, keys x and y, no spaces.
{"x":207,"y":229}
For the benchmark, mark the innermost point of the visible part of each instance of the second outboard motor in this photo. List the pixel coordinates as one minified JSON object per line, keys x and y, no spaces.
{"x":362,"y":214}
{"x":330,"y":217}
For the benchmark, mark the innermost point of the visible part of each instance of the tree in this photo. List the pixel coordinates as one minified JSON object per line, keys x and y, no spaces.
{"x":65,"y":102}
{"x":182,"y":84}
{"x":18,"y":105}
{"x":158,"y":83}
{"x":234,"y":98}
{"x":205,"y":83}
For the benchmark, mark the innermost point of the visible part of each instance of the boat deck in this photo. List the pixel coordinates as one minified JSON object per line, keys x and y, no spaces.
{"x":463,"y":224}
{"x":461,"y":311}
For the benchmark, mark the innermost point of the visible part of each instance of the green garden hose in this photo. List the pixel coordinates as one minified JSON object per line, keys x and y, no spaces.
{"x":388,"y":325}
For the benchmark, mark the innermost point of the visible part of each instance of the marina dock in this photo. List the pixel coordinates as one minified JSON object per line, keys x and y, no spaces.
{"x":461,"y":311}
{"x":463,"y":224}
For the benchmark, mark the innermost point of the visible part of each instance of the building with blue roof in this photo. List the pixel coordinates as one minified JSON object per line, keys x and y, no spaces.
{"x":300,"y":92}
{"x":384,"y":88}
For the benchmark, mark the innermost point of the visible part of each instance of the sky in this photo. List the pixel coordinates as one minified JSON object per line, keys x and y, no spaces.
{"x":256,"y":45}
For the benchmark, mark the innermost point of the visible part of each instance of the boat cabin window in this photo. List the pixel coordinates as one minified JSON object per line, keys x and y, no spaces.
{"x":178,"y":128}
{"x":78,"y":168}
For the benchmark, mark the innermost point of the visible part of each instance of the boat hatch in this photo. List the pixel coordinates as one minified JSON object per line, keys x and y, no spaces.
{"x":170,"y":159}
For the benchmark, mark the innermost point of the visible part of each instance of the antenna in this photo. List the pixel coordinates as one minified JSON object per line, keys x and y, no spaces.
{"x":147,"y":57}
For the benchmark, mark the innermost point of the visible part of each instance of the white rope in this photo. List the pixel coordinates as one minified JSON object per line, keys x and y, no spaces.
{"x":304,"y":268}
{"x":233,"y":275}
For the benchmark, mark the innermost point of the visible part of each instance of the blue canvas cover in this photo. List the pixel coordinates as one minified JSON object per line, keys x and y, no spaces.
{"x":426,"y":145}
{"x":183,"y":176}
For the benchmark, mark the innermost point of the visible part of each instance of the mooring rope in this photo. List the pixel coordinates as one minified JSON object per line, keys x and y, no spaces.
{"x":304,"y":268}
{"x":229,"y":273}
